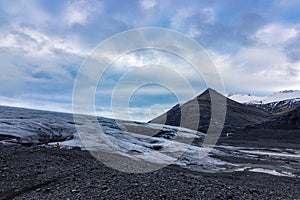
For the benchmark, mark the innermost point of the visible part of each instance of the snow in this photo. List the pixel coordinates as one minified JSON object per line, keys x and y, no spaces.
{"x":245,"y":98}
{"x":260,"y":152}
{"x":265,"y":171}
{"x":275,"y":97}
{"x":272,"y":172}
{"x":31,"y":126}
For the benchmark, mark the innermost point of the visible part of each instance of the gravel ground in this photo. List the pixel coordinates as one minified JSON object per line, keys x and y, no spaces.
{"x":47,"y":173}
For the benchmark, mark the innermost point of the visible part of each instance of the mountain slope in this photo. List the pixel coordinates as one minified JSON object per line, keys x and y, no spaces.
{"x":275,"y":97}
{"x":280,"y":107}
{"x":237,"y":115}
{"x":288,"y":120}
{"x":277,"y":103}
{"x":282,"y":130}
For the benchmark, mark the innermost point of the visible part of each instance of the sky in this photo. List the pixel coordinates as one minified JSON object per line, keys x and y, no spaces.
{"x":255,"y":46}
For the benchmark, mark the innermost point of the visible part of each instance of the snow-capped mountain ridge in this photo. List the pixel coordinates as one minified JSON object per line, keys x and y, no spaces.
{"x":234,"y":94}
{"x":279,"y":106}
{"x":275,"y":97}
{"x":287,"y":91}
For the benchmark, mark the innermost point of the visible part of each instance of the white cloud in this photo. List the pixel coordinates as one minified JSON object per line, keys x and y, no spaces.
{"x":142,"y":114}
{"x":35,"y":61}
{"x":34,"y":42}
{"x":193,"y":32}
{"x":79,"y":11}
{"x":209,"y":15}
{"x":252,"y":59}
{"x":148,"y":4}
{"x":276,"y":34}
{"x":258,"y":70}
{"x":181,"y":20}
{"x":30,"y":104}
{"x":148,"y":57}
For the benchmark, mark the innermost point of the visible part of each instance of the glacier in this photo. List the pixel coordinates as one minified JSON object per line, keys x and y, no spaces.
{"x":153,"y":143}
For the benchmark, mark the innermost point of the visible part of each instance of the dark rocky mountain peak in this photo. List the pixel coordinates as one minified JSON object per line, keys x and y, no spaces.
{"x":200,"y":109}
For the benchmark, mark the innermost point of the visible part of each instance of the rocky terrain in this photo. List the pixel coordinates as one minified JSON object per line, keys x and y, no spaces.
{"x":47,"y":173}
{"x":286,"y":120}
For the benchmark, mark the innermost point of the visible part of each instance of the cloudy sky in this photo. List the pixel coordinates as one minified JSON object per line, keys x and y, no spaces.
{"x":255,"y":46}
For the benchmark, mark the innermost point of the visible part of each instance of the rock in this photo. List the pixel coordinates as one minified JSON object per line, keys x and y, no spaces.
{"x":104,"y":187}
{"x":47,"y":190}
{"x":75,"y":191}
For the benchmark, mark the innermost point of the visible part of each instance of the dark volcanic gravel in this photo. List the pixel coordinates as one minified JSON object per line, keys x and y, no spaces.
{"x":46,"y":173}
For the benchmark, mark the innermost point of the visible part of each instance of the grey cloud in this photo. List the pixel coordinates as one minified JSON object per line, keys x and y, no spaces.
{"x":293,"y":49}
{"x":227,"y":37}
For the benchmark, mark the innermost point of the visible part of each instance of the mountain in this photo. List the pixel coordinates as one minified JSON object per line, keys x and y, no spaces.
{"x":287,"y":120}
{"x":238,"y":115}
{"x":245,"y":98}
{"x":275,"y":97}
{"x":280,"y":107}
{"x":276,"y":103}
{"x":282,"y":130}
{"x":274,"y":123}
